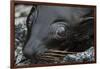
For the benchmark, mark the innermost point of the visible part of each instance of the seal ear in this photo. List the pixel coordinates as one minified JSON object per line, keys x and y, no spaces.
{"x":31,"y":20}
{"x":86,"y":25}
{"x":85,"y":29}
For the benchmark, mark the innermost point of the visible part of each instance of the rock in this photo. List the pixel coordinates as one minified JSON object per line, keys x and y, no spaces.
{"x":87,"y":56}
{"x":21,"y":13}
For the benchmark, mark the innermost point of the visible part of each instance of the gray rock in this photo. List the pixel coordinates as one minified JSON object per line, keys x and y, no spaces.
{"x":87,"y":56}
{"x":21,"y":13}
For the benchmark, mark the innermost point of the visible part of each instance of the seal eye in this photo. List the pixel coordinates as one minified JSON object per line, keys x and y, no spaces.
{"x":58,"y":30}
{"x":61,"y":31}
